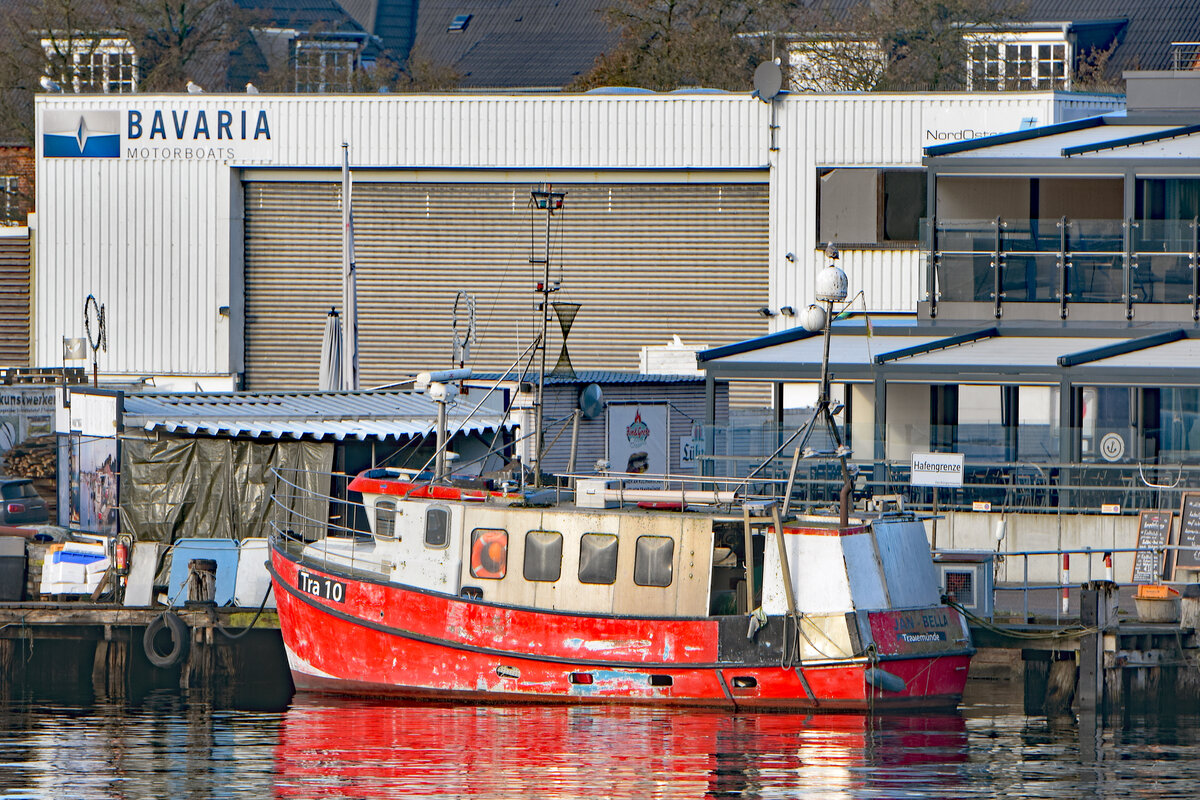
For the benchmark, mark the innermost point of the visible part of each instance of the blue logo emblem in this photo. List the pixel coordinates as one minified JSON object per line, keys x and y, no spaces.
{"x":81,"y":134}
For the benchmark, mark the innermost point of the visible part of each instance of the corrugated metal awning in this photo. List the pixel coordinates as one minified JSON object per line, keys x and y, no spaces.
{"x":1006,"y":352}
{"x":315,"y":415}
{"x":1184,"y":353}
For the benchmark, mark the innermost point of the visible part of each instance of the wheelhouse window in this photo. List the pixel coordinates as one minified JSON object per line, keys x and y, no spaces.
{"x":437,"y":528}
{"x":543,"y":556}
{"x":81,"y":65}
{"x":653,"y":561}
{"x":489,"y":553}
{"x":871,"y":207}
{"x":385,"y":519}
{"x":598,"y":558}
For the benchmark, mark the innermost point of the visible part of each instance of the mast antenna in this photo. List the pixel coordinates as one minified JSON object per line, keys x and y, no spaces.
{"x":543,"y":198}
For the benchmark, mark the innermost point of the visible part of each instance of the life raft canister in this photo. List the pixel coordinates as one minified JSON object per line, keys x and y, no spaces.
{"x":489,"y":553}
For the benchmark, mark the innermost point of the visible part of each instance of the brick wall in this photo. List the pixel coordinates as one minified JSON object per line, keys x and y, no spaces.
{"x":16,"y":161}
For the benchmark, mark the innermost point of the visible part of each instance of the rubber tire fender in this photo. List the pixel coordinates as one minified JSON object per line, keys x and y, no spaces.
{"x":181,"y":640}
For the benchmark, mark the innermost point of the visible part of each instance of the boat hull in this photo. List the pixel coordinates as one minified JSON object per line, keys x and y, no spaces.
{"x":350,"y":635}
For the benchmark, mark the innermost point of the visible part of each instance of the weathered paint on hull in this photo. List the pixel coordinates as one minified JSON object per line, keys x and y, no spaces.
{"x":387,"y":640}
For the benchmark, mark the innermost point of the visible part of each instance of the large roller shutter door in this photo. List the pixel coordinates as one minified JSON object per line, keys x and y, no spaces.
{"x":645,"y":261}
{"x":14,"y":301}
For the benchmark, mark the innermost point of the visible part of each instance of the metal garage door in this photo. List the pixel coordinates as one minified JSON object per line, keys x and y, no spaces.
{"x":645,"y":261}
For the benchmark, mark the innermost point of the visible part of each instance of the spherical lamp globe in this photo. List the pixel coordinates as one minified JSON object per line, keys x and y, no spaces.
{"x":831,"y":285}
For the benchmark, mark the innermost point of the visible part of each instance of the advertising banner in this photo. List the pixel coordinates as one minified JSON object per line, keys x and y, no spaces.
{"x":639,"y":438}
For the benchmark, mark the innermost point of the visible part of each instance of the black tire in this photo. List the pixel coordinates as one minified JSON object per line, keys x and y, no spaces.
{"x":180,"y":636}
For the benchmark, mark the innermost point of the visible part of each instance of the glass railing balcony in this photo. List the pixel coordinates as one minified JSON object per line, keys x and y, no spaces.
{"x":1062,"y":261}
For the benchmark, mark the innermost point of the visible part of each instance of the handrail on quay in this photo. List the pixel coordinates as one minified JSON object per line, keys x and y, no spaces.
{"x":1042,"y":487}
{"x":1062,"y":558}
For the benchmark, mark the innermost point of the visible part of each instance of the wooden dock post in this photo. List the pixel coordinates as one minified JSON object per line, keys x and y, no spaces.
{"x":1098,"y":612}
{"x":110,"y":667}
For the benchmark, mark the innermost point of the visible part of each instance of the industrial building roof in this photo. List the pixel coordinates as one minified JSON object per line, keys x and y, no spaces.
{"x":316,"y":415}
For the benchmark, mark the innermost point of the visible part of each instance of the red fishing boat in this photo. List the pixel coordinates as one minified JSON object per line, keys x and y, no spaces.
{"x":599,"y":592}
{"x":484,"y":596}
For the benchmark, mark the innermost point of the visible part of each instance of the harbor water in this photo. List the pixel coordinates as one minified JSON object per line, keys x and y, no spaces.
{"x":171,"y":745}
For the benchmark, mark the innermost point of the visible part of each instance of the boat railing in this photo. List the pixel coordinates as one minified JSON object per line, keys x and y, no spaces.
{"x":303,"y":514}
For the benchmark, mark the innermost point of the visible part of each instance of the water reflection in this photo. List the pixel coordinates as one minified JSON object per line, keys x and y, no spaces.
{"x":164,"y":748}
{"x":362,"y":750}
{"x":172,"y":745}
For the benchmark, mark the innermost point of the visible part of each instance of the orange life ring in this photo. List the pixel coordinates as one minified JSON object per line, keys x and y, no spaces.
{"x":489,"y":553}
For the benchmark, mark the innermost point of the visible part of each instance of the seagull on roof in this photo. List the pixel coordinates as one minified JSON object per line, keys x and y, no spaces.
{"x":194,"y":88}
{"x":50,"y":85}
{"x":251,"y":88}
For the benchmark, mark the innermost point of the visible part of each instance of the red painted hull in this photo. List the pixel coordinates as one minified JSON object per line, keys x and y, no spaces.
{"x":388,"y":640}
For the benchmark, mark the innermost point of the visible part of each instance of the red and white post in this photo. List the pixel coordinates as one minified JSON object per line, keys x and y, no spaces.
{"x":1066,"y":571}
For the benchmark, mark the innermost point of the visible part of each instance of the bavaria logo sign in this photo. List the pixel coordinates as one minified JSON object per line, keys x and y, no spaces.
{"x":82,"y":134}
{"x":159,"y":134}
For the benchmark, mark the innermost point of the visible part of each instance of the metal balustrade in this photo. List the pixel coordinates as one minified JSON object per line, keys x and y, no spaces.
{"x":1063,"y":261}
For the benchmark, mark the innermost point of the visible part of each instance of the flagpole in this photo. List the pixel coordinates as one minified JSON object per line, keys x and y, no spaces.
{"x":349,"y":283}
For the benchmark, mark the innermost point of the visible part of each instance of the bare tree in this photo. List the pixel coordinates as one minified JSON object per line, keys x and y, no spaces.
{"x":1092,"y":73}
{"x":421,"y":73}
{"x":51,"y":39}
{"x":890,"y":45}
{"x":668,"y":44}
{"x":181,"y":40}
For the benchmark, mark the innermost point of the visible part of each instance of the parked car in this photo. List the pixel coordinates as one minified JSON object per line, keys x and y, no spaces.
{"x":20,"y":504}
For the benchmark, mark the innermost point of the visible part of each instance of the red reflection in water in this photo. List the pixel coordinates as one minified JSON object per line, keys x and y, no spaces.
{"x":332,"y":748}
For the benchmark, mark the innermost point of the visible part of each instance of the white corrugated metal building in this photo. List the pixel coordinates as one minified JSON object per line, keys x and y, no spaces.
{"x":210,"y":225}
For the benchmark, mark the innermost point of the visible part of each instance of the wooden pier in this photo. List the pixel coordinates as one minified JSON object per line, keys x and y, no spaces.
{"x":77,"y":645}
{"x":1103,"y":663}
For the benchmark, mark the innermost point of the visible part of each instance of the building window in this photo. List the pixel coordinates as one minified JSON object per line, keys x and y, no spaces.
{"x":598,"y":558}
{"x":543,"y":556}
{"x":870,"y":206}
{"x":489,"y":553}
{"x":96,"y":65}
{"x":1171,"y":417}
{"x":10,"y":200}
{"x":324,"y":66}
{"x":652,"y":561}
{"x":996,"y":66}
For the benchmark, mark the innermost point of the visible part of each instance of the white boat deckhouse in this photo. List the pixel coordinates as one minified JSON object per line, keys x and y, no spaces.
{"x":1057,"y":343}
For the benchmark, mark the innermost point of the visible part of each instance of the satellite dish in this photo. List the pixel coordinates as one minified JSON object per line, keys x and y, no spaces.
{"x":591,"y":400}
{"x":768,"y":80}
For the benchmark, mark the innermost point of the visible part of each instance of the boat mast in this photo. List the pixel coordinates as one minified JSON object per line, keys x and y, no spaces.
{"x":831,"y":288}
{"x":550,"y":201}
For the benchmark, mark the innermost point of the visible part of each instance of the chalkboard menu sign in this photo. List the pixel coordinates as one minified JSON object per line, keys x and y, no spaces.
{"x":1189,"y":533}
{"x":1154,"y":533}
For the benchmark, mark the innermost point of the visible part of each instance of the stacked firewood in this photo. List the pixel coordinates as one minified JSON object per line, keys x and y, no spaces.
{"x":32,"y":458}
